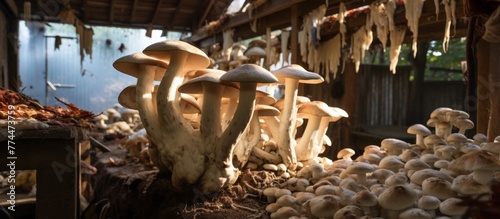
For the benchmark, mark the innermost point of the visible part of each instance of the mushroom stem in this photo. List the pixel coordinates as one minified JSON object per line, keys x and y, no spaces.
{"x":306,"y":146}
{"x":286,"y":142}
{"x":419,"y":139}
{"x":323,"y":127}
{"x":210,"y":126}
{"x":265,"y":156}
{"x":273,"y":123}
{"x":222,"y":172}
{"x":251,"y":135}
{"x":181,"y":149}
{"x":168,"y":98}
{"x":228,"y":115}
{"x":242,"y":116}
{"x":145,"y":104}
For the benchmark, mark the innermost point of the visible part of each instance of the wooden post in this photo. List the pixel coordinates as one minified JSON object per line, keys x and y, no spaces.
{"x":415,"y":107}
{"x":348,"y":103}
{"x":294,"y":35}
{"x":494,"y":92}
{"x":482,"y":93}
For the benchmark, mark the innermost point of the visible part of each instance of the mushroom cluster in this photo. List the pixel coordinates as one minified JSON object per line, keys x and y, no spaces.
{"x":205,"y":125}
{"x":394,"y":180}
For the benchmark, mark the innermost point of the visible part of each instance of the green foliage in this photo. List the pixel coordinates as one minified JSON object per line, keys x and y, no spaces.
{"x":436,"y":58}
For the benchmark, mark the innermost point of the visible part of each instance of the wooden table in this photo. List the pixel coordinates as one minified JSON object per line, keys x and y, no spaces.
{"x":54,"y":153}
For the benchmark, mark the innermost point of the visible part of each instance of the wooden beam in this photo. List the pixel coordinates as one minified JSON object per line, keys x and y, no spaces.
{"x":86,"y":10}
{"x":205,"y":14}
{"x":12,"y":7}
{"x":112,"y":10}
{"x":134,"y":9}
{"x":274,"y":20}
{"x":296,"y":22}
{"x":176,"y":13}
{"x":157,"y":9}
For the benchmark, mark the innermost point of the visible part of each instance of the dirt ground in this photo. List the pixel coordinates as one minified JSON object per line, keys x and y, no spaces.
{"x":135,"y":190}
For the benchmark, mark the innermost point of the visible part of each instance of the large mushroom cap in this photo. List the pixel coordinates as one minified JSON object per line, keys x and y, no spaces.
{"x":257,"y":52}
{"x":397,"y":197}
{"x":249,"y":73}
{"x":297,"y":72}
{"x":456,"y":137}
{"x":127,"y":97}
{"x":316,"y":108}
{"x":129,"y":64}
{"x":162,"y":50}
{"x":419,"y":129}
{"x":194,"y":86}
{"x":265,"y":110}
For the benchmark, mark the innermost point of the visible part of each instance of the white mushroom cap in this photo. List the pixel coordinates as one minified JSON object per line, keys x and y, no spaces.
{"x":286,"y":200}
{"x":493,"y":147}
{"x":393,"y":146}
{"x":284,"y":213}
{"x":382,"y":174}
{"x":269,"y":192}
{"x":466,"y":185}
{"x":428,"y":202}
{"x":479,"y":138}
{"x":433,"y":140}
{"x":438,"y":188}
{"x":420,"y":175}
{"x":365,"y":198}
{"x":419,"y":130}
{"x":414,"y":213}
{"x":345,"y":153}
{"x":297,"y":72}
{"x":273,"y":207}
{"x":429,"y":159}
{"x":416,"y":164}
{"x":397,"y":197}
{"x":396,"y":179}
{"x":361,"y":169}
{"x":457,"y":138}
{"x":162,"y":50}
{"x":324,"y":206}
{"x":302,"y":197}
{"x":130,"y":65}
{"x":482,"y":163}
{"x":348,"y":212}
{"x":451,"y":207}
{"x":391,"y":162}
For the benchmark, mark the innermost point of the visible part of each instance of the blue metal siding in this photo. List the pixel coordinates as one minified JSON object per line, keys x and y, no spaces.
{"x":97,"y":89}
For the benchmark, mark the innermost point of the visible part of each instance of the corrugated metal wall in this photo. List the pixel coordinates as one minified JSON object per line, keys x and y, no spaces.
{"x":382,"y":96}
{"x":96,"y":83}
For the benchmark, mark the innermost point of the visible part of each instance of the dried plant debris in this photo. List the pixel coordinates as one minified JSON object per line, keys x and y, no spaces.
{"x":26,"y":108}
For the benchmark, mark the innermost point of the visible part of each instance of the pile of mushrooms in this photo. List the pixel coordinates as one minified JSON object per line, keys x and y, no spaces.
{"x":236,"y":126}
{"x":396,"y":179}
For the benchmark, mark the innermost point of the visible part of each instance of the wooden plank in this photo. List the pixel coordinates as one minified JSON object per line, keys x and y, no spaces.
{"x":86,"y":10}
{"x":134,"y":9}
{"x":175,"y":16}
{"x":296,"y":22}
{"x":12,"y":7}
{"x":205,"y":13}
{"x":155,"y":14}
{"x":482,"y":102}
{"x":112,"y":11}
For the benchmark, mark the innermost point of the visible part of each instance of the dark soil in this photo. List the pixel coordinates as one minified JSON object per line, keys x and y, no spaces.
{"x":135,"y":190}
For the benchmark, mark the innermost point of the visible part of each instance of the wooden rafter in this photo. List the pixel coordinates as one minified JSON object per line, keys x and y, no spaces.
{"x":112,"y":10}
{"x":157,"y":10}
{"x":176,"y":13}
{"x":134,"y":9}
{"x":86,"y":10}
{"x":205,"y":14}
